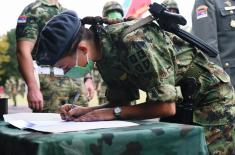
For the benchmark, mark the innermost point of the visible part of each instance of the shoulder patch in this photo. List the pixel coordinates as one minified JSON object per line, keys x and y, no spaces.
{"x":22,"y":19}
{"x":201,"y":11}
{"x":139,"y":60}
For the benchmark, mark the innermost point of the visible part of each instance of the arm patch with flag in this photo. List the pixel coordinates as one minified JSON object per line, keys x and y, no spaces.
{"x":136,"y":8}
{"x":22,"y":19}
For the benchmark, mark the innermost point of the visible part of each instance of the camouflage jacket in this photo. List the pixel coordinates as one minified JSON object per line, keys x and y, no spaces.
{"x":33,"y":18}
{"x":146,"y":59}
{"x":214,"y":97}
{"x":136,"y":62}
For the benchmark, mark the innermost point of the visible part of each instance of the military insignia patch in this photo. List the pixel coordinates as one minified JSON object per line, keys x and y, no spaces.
{"x":133,"y":59}
{"x":232,"y":23}
{"x":139,"y":68}
{"x":22,"y":19}
{"x":201,"y":11}
{"x":139,"y":60}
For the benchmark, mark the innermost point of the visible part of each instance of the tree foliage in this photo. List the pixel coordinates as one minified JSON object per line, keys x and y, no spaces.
{"x":4,"y":57}
{"x":9,"y":67}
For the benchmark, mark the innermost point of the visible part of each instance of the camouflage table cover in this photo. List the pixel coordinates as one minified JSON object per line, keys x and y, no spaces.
{"x":149,"y":138}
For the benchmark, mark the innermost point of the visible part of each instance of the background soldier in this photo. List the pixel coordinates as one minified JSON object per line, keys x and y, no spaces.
{"x":55,"y":90}
{"x":111,"y":10}
{"x":214,"y":22}
{"x":171,"y":5}
{"x":13,"y":87}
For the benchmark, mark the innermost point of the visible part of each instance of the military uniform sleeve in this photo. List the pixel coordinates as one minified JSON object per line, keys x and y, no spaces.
{"x":204,"y":23}
{"x":119,"y":87}
{"x":151,"y":61}
{"x":27,"y":26}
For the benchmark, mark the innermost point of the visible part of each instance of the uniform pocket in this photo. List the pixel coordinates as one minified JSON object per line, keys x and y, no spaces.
{"x":220,"y":73}
{"x":224,"y":23}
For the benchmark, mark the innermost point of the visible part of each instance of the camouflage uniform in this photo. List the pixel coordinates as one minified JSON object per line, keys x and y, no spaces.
{"x":100,"y":86}
{"x":214,"y":99}
{"x":145,"y":59}
{"x":29,"y":25}
{"x":112,"y":6}
{"x":171,"y":5}
{"x":109,"y":7}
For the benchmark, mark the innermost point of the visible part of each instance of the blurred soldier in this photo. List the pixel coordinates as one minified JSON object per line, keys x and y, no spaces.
{"x":111,"y":10}
{"x":29,"y":26}
{"x":214,"y":22}
{"x":13,"y":87}
{"x":171,"y":5}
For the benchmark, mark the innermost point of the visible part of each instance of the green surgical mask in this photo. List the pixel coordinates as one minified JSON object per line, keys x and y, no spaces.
{"x":78,"y":71}
{"x":114,"y":15}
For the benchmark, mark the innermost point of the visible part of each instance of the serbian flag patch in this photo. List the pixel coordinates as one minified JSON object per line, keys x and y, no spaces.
{"x":22,"y":19}
{"x":201,"y":11}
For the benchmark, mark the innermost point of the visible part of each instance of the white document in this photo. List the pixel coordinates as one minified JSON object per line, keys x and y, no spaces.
{"x":51,"y":122}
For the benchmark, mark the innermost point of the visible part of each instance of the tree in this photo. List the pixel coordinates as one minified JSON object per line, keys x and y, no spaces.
{"x":9,"y":72}
{"x":4,"y":57}
{"x":9,"y":68}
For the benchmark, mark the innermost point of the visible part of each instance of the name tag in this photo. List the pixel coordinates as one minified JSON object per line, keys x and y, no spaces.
{"x":58,"y":71}
{"x":43,"y":70}
{"x":232,"y":23}
{"x":228,"y":8}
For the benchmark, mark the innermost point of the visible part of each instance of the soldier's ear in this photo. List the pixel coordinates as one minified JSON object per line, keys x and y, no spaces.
{"x":82,"y":46}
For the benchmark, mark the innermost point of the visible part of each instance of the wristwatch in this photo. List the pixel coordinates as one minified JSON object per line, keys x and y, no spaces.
{"x":117,"y":112}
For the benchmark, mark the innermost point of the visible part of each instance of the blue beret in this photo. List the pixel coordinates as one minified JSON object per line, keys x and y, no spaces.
{"x":57,"y":37}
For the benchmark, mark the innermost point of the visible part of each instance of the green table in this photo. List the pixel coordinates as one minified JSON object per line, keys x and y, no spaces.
{"x":149,"y":138}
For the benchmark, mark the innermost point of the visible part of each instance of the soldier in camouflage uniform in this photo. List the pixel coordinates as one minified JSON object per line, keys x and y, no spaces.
{"x":111,"y":10}
{"x":214,"y":97}
{"x":145,"y":59}
{"x":29,"y":25}
{"x":171,"y":5}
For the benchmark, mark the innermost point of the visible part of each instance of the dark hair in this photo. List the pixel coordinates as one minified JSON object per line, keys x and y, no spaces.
{"x":91,"y":34}
{"x":83,"y":34}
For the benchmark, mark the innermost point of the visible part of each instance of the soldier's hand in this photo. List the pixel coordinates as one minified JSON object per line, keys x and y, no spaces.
{"x":90,"y":89}
{"x":35,"y":99}
{"x":68,"y":112}
{"x":96,"y":115}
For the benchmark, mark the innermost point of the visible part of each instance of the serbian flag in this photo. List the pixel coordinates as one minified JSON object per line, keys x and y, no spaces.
{"x":135,"y":8}
{"x":22,"y":19}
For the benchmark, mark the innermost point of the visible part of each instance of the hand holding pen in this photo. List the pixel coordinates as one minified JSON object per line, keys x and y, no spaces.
{"x":69,"y":112}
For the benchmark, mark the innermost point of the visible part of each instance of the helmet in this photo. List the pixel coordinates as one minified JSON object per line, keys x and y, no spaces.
{"x":171,"y":4}
{"x":111,"y":6}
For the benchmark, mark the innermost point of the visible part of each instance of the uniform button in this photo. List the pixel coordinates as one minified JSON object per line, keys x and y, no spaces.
{"x":226,"y":64}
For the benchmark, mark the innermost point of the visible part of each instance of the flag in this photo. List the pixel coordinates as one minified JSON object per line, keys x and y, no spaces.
{"x":135,"y":8}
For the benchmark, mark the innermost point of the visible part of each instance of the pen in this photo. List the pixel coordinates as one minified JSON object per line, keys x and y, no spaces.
{"x":73,"y":104}
{"x":75,"y":99}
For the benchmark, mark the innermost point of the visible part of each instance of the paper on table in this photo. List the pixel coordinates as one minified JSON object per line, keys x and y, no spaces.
{"x":51,"y":122}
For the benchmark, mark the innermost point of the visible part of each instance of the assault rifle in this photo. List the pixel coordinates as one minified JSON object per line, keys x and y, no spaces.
{"x":170,"y":22}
